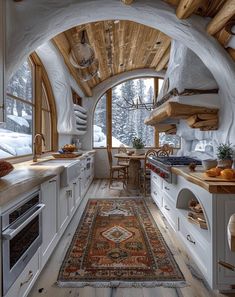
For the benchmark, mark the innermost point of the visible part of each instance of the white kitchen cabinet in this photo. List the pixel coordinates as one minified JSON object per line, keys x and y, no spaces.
{"x":49,"y":218}
{"x":27,"y":278}
{"x":77,"y":191}
{"x":63,"y":208}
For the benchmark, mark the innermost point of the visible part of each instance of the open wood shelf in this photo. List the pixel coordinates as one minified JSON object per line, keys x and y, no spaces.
{"x":204,"y":118}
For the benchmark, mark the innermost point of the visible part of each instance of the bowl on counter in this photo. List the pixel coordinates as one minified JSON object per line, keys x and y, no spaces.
{"x":209,"y":163}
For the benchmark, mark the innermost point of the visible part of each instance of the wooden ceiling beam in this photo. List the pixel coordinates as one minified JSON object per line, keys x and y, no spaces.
{"x":97,"y":40}
{"x":62,"y":44}
{"x":165,"y":42}
{"x":164,"y":60}
{"x":222,"y":17}
{"x":187,"y":7}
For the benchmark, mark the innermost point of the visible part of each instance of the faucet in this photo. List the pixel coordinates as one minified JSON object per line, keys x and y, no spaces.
{"x":37,"y":146}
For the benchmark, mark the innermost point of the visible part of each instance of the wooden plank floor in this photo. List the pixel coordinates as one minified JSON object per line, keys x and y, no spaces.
{"x":46,"y":283}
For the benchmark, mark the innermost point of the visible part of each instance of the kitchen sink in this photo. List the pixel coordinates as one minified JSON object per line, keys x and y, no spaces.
{"x":72,"y":169}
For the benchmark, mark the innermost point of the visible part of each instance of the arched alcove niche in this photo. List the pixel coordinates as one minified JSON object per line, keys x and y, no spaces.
{"x":32,"y":23}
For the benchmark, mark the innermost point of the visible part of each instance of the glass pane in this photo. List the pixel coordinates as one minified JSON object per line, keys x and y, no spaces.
{"x":160,"y":83}
{"x":172,"y":140}
{"x":99,"y":124}
{"x":128,"y":122}
{"x":45,"y":103}
{"x":16,"y":138}
{"x":46,"y":130}
{"x":21,"y":83}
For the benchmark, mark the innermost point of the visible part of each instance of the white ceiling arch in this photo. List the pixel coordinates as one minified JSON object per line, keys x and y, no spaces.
{"x":30,"y":24}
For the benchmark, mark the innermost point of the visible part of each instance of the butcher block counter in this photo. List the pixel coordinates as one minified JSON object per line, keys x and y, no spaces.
{"x":27,"y":175}
{"x":197,"y":177}
{"x":23,"y":179}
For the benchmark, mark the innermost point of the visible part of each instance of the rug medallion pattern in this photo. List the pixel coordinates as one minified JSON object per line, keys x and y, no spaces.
{"x":118,"y":240}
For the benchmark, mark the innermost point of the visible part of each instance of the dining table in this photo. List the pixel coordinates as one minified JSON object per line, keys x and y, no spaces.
{"x":133,"y":168}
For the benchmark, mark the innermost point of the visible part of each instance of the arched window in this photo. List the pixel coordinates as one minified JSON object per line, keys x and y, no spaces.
{"x":46,"y":128}
{"x":120,"y":113}
{"x":29,"y":109}
{"x":16,"y":138}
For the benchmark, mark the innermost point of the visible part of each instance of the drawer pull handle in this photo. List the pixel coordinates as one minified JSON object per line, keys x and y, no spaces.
{"x":166,"y":188}
{"x":28,"y":279}
{"x":190,"y":239}
{"x":155,"y":193}
{"x":166,"y":207}
{"x":69,"y":193}
{"x":155,"y":177}
{"x":75,"y":183}
{"x":52,"y":181}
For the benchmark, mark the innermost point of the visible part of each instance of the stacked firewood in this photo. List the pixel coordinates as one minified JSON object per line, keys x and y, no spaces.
{"x":196,"y":215}
{"x":205,"y":121}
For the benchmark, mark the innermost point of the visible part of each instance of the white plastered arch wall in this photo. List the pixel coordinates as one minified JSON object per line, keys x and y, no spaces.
{"x":31,"y":23}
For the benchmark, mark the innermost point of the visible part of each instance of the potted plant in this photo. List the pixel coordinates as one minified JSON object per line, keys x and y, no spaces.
{"x":224,"y":155}
{"x":138,"y":145}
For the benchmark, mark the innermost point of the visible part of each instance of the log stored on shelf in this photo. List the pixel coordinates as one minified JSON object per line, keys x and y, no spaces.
{"x":196,"y":116}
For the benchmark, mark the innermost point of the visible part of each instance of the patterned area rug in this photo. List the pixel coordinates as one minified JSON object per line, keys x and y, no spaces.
{"x":118,"y":244}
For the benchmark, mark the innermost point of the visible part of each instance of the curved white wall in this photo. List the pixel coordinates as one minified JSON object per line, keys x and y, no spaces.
{"x":32,"y":23}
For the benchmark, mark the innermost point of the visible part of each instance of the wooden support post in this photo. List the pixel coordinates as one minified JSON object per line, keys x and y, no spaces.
{"x":109,"y":117}
{"x":187,"y":7}
{"x":222,"y":17}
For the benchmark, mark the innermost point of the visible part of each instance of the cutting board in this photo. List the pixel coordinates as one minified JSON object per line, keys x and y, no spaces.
{"x":201,"y":175}
{"x":66,"y":155}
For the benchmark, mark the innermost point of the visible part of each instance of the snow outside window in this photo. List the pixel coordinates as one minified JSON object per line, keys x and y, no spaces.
{"x":128,"y":123}
{"x":99,"y":124}
{"x":16,"y":137}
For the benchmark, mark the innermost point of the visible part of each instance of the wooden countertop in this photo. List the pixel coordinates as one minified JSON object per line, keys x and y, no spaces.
{"x":25,"y":177}
{"x":217,"y":187}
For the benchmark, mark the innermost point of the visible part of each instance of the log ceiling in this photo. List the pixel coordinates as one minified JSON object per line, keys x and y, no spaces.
{"x":125,"y":45}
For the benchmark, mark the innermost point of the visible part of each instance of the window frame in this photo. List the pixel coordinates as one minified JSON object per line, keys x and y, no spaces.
{"x":108,"y":94}
{"x":40,"y":80}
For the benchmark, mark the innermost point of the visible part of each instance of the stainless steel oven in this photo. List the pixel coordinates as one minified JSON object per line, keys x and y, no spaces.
{"x":21,"y":236}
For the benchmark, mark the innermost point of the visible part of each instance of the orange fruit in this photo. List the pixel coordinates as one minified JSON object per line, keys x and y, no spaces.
{"x":211,"y":172}
{"x":218,"y":170}
{"x":227,"y":173}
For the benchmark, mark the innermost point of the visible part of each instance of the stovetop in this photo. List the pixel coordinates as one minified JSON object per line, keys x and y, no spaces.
{"x":176,"y":161}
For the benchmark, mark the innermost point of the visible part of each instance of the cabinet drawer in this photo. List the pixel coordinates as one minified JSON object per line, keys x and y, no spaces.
{"x":156,"y":179}
{"x":196,"y":245}
{"x":170,"y":189}
{"x":156,"y":195}
{"x":25,"y":281}
{"x":169,"y":211}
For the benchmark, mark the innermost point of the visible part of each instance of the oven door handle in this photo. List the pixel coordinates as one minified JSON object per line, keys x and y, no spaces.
{"x":10,"y":232}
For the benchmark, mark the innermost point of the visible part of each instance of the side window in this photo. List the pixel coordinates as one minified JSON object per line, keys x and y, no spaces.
{"x":16,"y":137}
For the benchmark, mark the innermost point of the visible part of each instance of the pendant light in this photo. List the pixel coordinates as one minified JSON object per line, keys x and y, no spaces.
{"x":82,"y":55}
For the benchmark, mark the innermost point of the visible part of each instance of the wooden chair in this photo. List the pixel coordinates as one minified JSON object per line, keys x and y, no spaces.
{"x":122,"y":161}
{"x":120,"y":170}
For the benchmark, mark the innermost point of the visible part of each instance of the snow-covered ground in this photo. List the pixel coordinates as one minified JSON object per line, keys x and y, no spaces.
{"x":14,"y":144}
{"x":99,"y":138}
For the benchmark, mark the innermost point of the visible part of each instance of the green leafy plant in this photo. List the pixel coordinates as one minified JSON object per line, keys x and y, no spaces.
{"x":137,"y":143}
{"x":224,"y":151}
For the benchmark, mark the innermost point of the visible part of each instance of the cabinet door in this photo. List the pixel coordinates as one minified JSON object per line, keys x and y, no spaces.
{"x":63,"y":208}
{"x":77,"y":191}
{"x":49,"y":218}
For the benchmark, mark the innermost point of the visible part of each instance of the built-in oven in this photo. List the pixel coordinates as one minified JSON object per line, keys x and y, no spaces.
{"x":21,"y":236}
